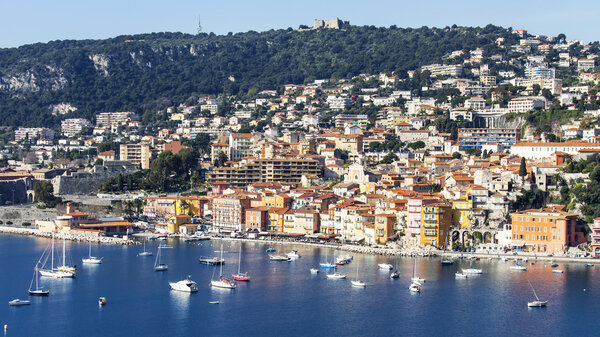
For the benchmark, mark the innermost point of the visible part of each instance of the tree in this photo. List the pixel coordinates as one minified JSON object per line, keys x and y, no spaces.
{"x":456,"y":155}
{"x":389,"y":158}
{"x":523,"y":168}
{"x":43,"y":191}
{"x":416,"y":145}
{"x":221,"y":159}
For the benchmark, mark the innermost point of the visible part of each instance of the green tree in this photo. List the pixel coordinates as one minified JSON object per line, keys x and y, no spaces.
{"x":523,"y":168}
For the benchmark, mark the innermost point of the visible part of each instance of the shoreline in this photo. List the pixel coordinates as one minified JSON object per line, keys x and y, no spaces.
{"x":71,"y":236}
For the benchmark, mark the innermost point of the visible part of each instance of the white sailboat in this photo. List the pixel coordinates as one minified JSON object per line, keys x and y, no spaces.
{"x":64,"y":266}
{"x":37,"y":291}
{"x":415,"y":286}
{"x":537,"y":303}
{"x":222,"y":282}
{"x":158,"y":266}
{"x":54,"y":272}
{"x":415,"y":278}
{"x":472,"y":270}
{"x":145,"y":252}
{"x":91,"y":259}
{"x":356,"y":282}
{"x":385,"y":266}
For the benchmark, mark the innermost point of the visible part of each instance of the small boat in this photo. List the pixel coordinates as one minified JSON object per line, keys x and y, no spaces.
{"x":270,"y":250}
{"x":243,"y":277}
{"x":161,"y":238}
{"x":336,"y":276}
{"x":293,"y":255}
{"x":518,"y":267}
{"x":186,"y":285}
{"x":417,"y":280}
{"x":211,"y":261}
{"x":460,"y":275}
{"x":213,"y":302}
{"x":489,"y":259}
{"x":102,"y":301}
{"x":588,"y":265}
{"x":558,"y":271}
{"x":327,"y":265}
{"x":190,"y":238}
{"x":17,"y":302}
{"x":358,"y":283}
{"x":414,"y":288}
{"x":222,"y":282}
{"x":472,"y":270}
{"x":537,"y":303}
{"x":395,"y":274}
{"x":447,"y":262}
{"x":554,"y":265}
{"x":278,"y":258}
{"x":385,"y":266}
{"x":314,"y":270}
{"x":477,"y":259}
{"x":158,"y":266}
{"x":145,"y":252}
{"x":37,"y":291}
{"x":91,"y":259}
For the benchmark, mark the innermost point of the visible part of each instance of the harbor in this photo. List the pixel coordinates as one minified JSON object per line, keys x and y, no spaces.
{"x":301,"y":299}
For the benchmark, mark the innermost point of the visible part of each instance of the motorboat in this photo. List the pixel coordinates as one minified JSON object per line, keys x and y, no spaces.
{"x":447,"y":262}
{"x":460,"y":275}
{"x":186,"y":285}
{"x":293,"y":255}
{"x":588,"y":265}
{"x":91,"y":259}
{"x":270,"y":250}
{"x":327,"y":265}
{"x":213,"y":302}
{"x":102,"y":301}
{"x":358,"y":284}
{"x":17,"y":302}
{"x":211,"y":261}
{"x":472,"y":270}
{"x":161,"y":238}
{"x":314,"y":270}
{"x":278,"y":258}
{"x":554,"y":265}
{"x":336,"y":276}
{"x":395,"y":274}
{"x":558,"y":271}
{"x":340,"y":261}
{"x":415,"y":288}
{"x":417,"y":280}
{"x":385,"y":266}
{"x":518,"y":267}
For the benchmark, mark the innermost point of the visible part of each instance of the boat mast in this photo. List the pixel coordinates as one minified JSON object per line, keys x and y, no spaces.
{"x":534,"y":293}
{"x":90,"y":254}
{"x":52,"y":263}
{"x":64,"y":253}
{"x":240,"y":260}
{"x":221,"y":270}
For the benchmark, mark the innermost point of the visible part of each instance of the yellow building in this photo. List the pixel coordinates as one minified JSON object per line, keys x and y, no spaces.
{"x":176,"y":221}
{"x":436,"y":220}
{"x":190,"y":206}
{"x":277,"y":200}
{"x":462,"y":213}
{"x":276,"y":216}
{"x":367,"y":188}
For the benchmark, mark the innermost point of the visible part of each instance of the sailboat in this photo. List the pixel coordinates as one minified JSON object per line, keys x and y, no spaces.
{"x":158,"y":266}
{"x":518,"y":267}
{"x":54,"y":272}
{"x":64,"y":266}
{"x":415,"y":285}
{"x":241,"y":276}
{"x":537,"y":303}
{"x":472,"y":270}
{"x":356,"y":282}
{"x":145,"y":252}
{"x":91,"y":259}
{"x":415,"y":278}
{"x":37,"y":291}
{"x":396,"y":273}
{"x":327,"y":264}
{"x":223,"y":282}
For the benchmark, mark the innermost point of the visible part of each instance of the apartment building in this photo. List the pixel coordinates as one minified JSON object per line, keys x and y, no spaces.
{"x":540,"y":73}
{"x":526,"y":104}
{"x":240,"y":145}
{"x":229,"y":213}
{"x":436,"y":220}
{"x":361,"y":120}
{"x":595,"y":237}
{"x":137,"y":154}
{"x":477,"y":137}
{"x":107,"y":119}
{"x":549,"y":230}
{"x":72,"y":126}
{"x":443,"y":70}
{"x":33,"y":133}
{"x":531,"y":150}
{"x":585,"y":64}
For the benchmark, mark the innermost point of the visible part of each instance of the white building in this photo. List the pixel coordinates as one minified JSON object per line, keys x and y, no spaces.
{"x":531,"y":150}
{"x":72,"y":126}
{"x":526,"y":104}
{"x":444,"y":70}
{"x":32,"y":133}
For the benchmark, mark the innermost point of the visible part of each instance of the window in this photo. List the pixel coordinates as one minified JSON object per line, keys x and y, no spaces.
{"x":526,"y":236}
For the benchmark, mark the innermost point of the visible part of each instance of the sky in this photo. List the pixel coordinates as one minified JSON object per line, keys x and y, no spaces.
{"x":31,"y":21}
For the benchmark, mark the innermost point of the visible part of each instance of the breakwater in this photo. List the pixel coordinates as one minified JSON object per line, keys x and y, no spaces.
{"x":71,"y":236}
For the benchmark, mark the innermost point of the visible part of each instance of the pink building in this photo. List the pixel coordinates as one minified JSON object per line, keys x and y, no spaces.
{"x":413,"y":217}
{"x":595,"y":237}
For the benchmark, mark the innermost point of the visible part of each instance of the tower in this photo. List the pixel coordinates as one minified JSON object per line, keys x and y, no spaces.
{"x":199,"y":25}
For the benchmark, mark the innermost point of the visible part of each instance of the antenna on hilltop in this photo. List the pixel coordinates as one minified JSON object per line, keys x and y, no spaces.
{"x":199,"y":25}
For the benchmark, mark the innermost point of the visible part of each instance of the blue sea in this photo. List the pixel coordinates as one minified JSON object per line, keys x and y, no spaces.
{"x":285,"y":299}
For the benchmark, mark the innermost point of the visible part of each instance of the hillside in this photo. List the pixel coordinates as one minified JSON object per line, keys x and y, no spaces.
{"x":143,"y":72}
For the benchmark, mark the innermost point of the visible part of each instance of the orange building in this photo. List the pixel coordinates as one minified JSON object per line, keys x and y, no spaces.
{"x":384,"y":227}
{"x":549,"y":230}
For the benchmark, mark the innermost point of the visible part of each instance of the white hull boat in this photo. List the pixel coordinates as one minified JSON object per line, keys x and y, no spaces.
{"x":558,"y":271}
{"x":414,"y":288}
{"x":518,"y":267}
{"x":17,"y":302}
{"x":314,"y":270}
{"x":358,"y":284}
{"x":336,"y":276}
{"x":186,"y":285}
{"x":225,"y":284}
{"x":460,"y":275}
{"x":293,"y":255}
{"x":91,"y":259}
{"x":385,"y":266}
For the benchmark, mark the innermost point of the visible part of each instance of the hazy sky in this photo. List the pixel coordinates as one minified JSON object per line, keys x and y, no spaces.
{"x":30,"y":21}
